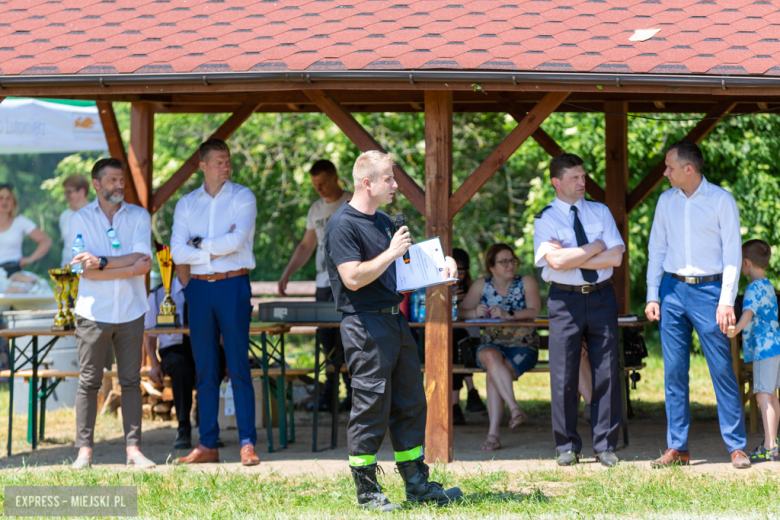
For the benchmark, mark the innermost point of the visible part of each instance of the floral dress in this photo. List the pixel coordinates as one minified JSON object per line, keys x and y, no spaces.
{"x":520,"y":345}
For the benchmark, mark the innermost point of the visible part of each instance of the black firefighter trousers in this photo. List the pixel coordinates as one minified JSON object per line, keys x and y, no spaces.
{"x":387,"y":387}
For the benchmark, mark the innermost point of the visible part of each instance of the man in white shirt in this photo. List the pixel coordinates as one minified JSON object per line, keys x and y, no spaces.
{"x":694,"y":259}
{"x":111,"y":304}
{"x":76,"y":190}
{"x":577,"y":244}
{"x":213,"y":232}
{"x":326,"y":182}
{"x":175,"y":354}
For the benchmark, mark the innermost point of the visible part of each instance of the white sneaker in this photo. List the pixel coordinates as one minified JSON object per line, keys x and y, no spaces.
{"x":139,"y":461}
{"x":81,"y":463}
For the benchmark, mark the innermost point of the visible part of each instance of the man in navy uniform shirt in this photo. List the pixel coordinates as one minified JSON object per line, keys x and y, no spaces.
{"x":577,"y":244}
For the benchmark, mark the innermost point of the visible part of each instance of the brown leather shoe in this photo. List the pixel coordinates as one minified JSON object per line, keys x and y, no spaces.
{"x":248,"y":455}
{"x":672,"y":458}
{"x":739,"y":460}
{"x":199,"y":455}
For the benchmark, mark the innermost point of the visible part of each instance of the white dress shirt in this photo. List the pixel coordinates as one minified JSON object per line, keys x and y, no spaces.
{"x":695,"y":236}
{"x":112,"y":301}
{"x":67,"y":249}
{"x":155,"y":299}
{"x":558,"y":222}
{"x":198,"y":214}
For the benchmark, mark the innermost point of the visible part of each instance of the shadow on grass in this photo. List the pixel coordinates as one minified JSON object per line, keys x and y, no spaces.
{"x":536,"y":496}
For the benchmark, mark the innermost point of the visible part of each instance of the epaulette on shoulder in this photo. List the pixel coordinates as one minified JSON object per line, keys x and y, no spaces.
{"x":539,"y":215}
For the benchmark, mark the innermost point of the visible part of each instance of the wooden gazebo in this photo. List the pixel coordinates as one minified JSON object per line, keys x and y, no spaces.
{"x":528,"y":59}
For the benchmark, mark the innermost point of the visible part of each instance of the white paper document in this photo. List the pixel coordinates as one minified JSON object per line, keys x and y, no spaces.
{"x":425,"y":267}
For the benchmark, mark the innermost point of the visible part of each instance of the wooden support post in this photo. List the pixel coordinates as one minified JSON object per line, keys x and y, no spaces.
{"x":365,"y":142}
{"x":549,"y":144}
{"x":529,"y":124}
{"x":116,"y":148}
{"x":697,"y":135}
{"x":616,"y":135}
{"x":141,"y":151}
{"x":190,"y":166}
{"x":438,"y":310}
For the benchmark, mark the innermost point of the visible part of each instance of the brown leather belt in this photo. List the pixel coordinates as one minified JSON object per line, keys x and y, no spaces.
{"x":582,"y":289}
{"x":221,"y":276}
{"x":696,"y":280}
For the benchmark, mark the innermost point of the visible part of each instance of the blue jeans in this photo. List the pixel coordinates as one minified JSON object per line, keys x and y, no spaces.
{"x":216,"y":308}
{"x":683,"y":308}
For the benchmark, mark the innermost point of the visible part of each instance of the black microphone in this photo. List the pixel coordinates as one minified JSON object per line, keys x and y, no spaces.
{"x":399,"y":223}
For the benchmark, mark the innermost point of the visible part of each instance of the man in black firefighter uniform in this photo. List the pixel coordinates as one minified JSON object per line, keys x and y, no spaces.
{"x":362,"y":245}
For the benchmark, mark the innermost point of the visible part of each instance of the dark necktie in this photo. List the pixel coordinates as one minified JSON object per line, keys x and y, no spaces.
{"x":589,"y":275}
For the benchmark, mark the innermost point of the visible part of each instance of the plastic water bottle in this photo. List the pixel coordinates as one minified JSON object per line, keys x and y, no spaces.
{"x":414,"y":307}
{"x":421,"y":306}
{"x":454,"y":308}
{"x":77,"y":249}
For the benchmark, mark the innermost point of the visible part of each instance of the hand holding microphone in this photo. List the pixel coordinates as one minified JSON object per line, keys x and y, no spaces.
{"x":401,"y":240}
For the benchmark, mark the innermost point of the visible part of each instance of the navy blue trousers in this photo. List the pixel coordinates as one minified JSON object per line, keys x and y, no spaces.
{"x":684,"y":308}
{"x":593,"y":317}
{"x":215,"y":308}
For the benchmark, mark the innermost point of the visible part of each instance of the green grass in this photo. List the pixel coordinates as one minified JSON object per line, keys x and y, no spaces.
{"x":575,"y":493}
{"x":628,"y":491}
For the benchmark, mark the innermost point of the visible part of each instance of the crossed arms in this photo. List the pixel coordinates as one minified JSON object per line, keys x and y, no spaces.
{"x":590,"y":256}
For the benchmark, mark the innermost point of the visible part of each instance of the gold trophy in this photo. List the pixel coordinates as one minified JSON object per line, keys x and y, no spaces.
{"x":167,"y":316}
{"x":67,"y":287}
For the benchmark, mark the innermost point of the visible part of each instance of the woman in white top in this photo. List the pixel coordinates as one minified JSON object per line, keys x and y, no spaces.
{"x":13,"y":229}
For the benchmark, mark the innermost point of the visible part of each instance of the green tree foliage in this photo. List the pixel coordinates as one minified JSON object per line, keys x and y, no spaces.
{"x":273,"y":152}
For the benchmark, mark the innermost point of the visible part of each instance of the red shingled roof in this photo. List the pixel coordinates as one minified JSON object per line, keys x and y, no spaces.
{"x":736,"y":37}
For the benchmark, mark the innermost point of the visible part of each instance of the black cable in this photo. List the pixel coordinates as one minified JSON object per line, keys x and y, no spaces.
{"x":587,"y":109}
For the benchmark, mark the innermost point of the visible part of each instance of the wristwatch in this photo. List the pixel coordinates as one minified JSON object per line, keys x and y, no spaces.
{"x":196,"y":242}
{"x":103,"y":262}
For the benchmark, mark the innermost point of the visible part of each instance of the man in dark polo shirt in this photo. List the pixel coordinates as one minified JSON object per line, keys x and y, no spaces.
{"x":362,"y":245}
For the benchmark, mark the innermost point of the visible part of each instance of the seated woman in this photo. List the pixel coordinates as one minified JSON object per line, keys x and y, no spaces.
{"x":13,"y":229}
{"x":505,"y":353}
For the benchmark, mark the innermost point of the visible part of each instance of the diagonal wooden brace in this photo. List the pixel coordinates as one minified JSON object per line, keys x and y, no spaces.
{"x":697,"y":135}
{"x":524,"y":129}
{"x":365,"y":142}
{"x":549,"y":145}
{"x":190,"y":166}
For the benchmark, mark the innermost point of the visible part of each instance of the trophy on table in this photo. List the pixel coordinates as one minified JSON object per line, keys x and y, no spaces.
{"x":167,"y":316}
{"x":65,"y":292}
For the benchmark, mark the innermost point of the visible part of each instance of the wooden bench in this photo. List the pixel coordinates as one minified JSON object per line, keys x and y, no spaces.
{"x":290,"y":373}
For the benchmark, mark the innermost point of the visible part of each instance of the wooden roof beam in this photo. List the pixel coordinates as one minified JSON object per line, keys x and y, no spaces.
{"x":141,"y":151}
{"x":190,"y":166}
{"x":116,"y":147}
{"x":524,"y":129}
{"x":550,"y":146}
{"x":365,"y":142}
{"x":697,"y":135}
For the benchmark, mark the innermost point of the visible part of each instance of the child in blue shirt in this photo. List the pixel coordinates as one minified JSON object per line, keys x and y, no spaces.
{"x":761,"y":342}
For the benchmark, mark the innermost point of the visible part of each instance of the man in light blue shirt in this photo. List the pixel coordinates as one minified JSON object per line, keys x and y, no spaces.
{"x":694,"y":256}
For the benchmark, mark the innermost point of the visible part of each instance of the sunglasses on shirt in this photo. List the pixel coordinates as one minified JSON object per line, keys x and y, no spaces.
{"x":112,"y":235}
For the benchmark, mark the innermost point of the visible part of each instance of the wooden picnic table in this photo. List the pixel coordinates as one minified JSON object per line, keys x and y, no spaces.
{"x":271,"y":351}
{"x":40,"y":390}
{"x":309,"y":327}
